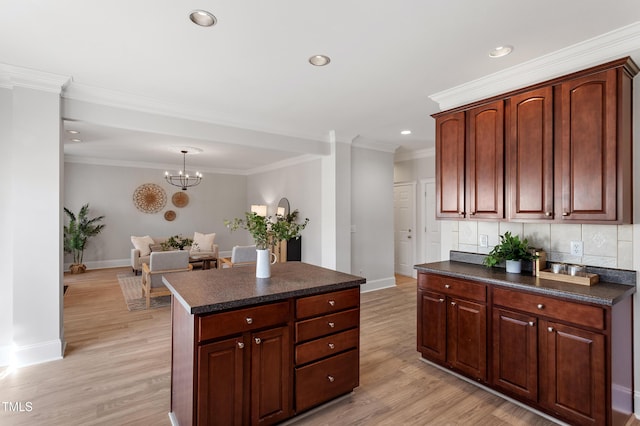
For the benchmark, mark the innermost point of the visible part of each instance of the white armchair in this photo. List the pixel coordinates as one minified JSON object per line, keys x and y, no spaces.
{"x":160,"y":263}
{"x":241,"y":256}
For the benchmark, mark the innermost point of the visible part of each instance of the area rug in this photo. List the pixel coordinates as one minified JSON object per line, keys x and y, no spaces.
{"x":131,"y":286}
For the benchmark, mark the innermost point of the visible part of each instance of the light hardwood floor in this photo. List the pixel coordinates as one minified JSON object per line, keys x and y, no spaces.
{"x":117,"y":365}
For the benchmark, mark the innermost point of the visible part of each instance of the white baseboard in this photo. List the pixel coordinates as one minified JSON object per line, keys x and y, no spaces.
{"x":636,"y":401}
{"x":378,"y":284}
{"x":102,"y":264}
{"x":37,"y":353}
{"x":624,"y":394}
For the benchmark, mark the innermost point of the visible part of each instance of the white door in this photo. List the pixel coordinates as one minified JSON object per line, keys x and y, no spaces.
{"x":431,"y":247}
{"x":404,"y":233}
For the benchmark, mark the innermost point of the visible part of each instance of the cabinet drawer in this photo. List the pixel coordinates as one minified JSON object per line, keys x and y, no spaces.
{"x":322,"y":381}
{"x":453,"y":287}
{"x":326,"y":346}
{"x":562,"y":310}
{"x":327,"y":303}
{"x":328,"y":324}
{"x":241,"y":320}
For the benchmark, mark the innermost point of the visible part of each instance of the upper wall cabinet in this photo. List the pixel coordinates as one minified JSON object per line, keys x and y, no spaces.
{"x":566,"y":147}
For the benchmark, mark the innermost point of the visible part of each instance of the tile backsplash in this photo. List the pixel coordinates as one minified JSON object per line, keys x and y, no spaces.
{"x":610,"y":246}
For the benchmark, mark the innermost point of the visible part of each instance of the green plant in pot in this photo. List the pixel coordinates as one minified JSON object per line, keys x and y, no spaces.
{"x":77,"y":233}
{"x":176,"y":242}
{"x":267,"y":231}
{"x":511,"y":250}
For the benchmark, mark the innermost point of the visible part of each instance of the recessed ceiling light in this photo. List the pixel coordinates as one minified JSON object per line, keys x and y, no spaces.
{"x":319,"y":60}
{"x":76,"y":140}
{"x":405,"y":132}
{"x":73,"y":132}
{"x":501,"y":51}
{"x":203,"y":18}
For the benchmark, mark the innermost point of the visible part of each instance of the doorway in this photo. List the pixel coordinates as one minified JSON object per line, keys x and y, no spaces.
{"x":431,"y":233}
{"x":404,"y":201}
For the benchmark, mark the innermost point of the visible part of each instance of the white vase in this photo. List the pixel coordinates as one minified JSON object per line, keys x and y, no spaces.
{"x":514,"y":266}
{"x":263,"y":263}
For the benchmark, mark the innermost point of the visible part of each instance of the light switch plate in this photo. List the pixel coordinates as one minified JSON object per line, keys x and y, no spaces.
{"x":577,"y":248}
{"x":484,"y":240}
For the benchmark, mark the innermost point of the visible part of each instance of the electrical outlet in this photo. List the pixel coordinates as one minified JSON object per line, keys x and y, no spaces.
{"x":577,"y":248}
{"x":484,"y":240}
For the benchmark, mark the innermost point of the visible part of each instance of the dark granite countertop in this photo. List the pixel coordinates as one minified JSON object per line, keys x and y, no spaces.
{"x":213,"y":290}
{"x":602,"y":293}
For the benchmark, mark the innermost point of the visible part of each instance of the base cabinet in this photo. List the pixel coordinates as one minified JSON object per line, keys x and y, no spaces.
{"x":566,"y":358}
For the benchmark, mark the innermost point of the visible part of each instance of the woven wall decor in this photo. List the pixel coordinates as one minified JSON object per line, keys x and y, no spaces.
{"x":180,"y":199}
{"x":169,"y":215}
{"x":149,"y":198}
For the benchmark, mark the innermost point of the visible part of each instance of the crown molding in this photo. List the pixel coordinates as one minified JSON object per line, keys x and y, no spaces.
{"x":12,"y":76}
{"x":414,"y":155}
{"x":609,"y":46}
{"x":360,"y":142}
{"x":284,"y":163}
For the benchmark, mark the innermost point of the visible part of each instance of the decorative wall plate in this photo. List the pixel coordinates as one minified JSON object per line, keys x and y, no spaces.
{"x":149,"y":198}
{"x":169,"y":215}
{"x":180,"y":199}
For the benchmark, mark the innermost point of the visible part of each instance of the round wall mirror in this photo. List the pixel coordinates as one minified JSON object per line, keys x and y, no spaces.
{"x":283,"y":207}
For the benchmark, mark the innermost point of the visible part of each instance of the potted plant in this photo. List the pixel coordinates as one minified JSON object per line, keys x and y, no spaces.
{"x":176,"y":242}
{"x":267,"y":231}
{"x":511,"y":250}
{"x":77,"y":233}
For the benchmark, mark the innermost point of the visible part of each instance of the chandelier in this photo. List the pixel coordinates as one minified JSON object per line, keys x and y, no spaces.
{"x":183,"y":179}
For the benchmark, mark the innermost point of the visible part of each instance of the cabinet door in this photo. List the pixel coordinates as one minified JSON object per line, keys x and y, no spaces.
{"x":220,"y":382}
{"x":432,"y":326}
{"x":467,"y":337}
{"x":529,"y":155}
{"x":271,"y":371}
{"x":515,"y":353}
{"x":586,"y":158}
{"x":573,"y":373}
{"x":485,"y":162}
{"x":450,"y":160}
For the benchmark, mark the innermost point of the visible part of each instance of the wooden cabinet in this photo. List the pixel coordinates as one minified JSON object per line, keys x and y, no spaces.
{"x":539,"y":357}
{"x":247,"y":376}
{"x":567,"y":146}
{"x":529,"y":155}
{"x":327,"y":347}
{"x":470,"y":163}
{"x":452,"y":324}
{"x":564,"y":357}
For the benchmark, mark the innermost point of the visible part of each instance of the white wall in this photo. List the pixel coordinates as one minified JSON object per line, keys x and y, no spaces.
{"x":372,"y":251}
{"x":109,"y":192}
{"x":6,"y":229}
{"x":300,"y":184}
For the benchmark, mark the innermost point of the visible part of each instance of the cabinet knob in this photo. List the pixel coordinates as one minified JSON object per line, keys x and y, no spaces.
{"x":473,"y":213}
{"x":548,"y":214}
{"x":441,"y":300}
{"x":332,"y":303}
{"x":461,"y":213}
{"x":540,"y":306}
{"x":257,"y":340}
{"x":565,"y":213}
{"x":249,"y":320}
{"x":550,"y":329}
{"x":447,"y":286}
{"x":240,"y":345}
{"x":531,"y":323}
{"x":453,"y":303}
{"x":331,"y":378}
{"x":332,"y":324}
{"x":331,"y":346}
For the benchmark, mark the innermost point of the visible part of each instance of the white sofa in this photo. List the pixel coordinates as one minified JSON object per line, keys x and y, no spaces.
{"x":144,"y":246}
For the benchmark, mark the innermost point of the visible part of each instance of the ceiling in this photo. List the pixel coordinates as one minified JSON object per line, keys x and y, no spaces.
{"x":248,"y":77}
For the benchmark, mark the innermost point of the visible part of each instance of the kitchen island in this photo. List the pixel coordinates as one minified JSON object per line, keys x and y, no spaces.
{"x":564,"y":349}
{"x":249,"y":350}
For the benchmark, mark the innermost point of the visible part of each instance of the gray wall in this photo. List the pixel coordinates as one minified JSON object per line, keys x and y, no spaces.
{"x":109,"y":191}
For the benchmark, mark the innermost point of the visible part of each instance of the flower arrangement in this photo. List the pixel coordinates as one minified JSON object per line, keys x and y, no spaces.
{"x":177,"y":242}
{"x":267,"y":231}
{"x":510,"y":248}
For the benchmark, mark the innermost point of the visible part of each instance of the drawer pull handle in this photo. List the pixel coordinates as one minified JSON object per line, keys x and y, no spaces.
{"x":540,"y":306}
{"x":550,"y":329}
{"x":331,"y":346}
{"x":332,"y":324}
{"x":441,"y":300}
{"x":332,"y":303}
{"x":257,"y":340}
{"x":240,"y":345}
{"x":331,"y":378}
{"x":447,"y":286}
{"x":531,"y":323}
{"x":249,"y":320}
